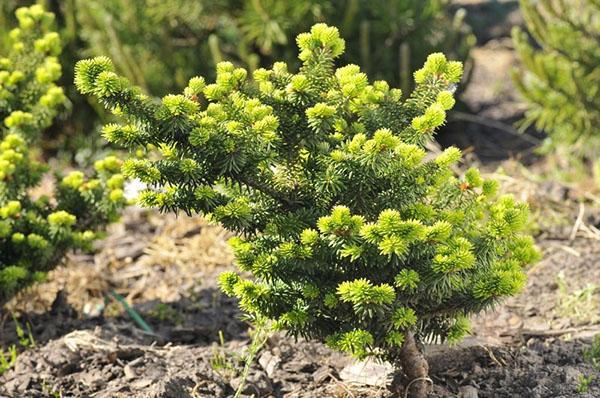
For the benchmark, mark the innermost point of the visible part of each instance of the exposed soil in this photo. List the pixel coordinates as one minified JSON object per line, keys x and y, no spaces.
{"x":562,"y":296}
{"x":105,"y":363}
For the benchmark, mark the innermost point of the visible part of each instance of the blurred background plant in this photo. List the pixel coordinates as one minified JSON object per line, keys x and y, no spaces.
{"x":560,"y":80}
{"x":71,"y":135}
{"x":159,"y":45}
{"x":41,"y":217}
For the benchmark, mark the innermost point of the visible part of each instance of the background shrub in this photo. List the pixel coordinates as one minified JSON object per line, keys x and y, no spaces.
{"x":183,"y":38}
{"x":559,"y":78}
{"x":37,"y":229}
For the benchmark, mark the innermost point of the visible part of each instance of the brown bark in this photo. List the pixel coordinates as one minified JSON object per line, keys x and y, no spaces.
{"x":415,"y":368}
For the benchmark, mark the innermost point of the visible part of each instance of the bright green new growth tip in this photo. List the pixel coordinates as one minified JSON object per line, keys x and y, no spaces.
{"x":355,"y":234}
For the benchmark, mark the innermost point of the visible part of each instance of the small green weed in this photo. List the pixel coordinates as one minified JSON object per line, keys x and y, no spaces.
{"x":50,"y":391}
{"x":8,"y":358}
{"x":223,"y":362}
{"x":259,"y":335}
{"x":592,"y":354}
{"x":584,"y":383}
{"x":165,"y":313}
{"x":580,"y":306}
{"x":26,"y":340}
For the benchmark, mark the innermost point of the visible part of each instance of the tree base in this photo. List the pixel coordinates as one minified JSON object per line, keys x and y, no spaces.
{"x":417,"y":383}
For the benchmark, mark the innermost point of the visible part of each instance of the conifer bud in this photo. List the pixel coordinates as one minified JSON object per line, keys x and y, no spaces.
{"x":74,"y":180}
{"x":54,"y":96}
{"x":87,"y":71}
{"x":446,"y":99}
{"x":61,"y":219}
{"x":195,"y":86}
{"x":18,"y":119}
{"x":450,"y":156}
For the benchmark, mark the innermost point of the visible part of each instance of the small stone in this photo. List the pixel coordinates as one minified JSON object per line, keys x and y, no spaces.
{"x":299,"y":366}
{"x":141,"y":383}
{"x":25,"y":383}
{"x":131,"y":251}
{"x":269,"y":362}
{"x":515,"y":321}
{"x":531,"y":309}
{"x":476,"y":369}
{"x":129,"y":372}
{"x":258,"y":384}
{"x":93,"y":309}
{"x":572,"y":375}
{"x":276,"y":351}
{"x":92,"y":379}
{"x":467,"y":392}
{"x":554,"y":190}
{"x":172,"y":387}
{"x":368,"y":372}
{"x":12,"y":385}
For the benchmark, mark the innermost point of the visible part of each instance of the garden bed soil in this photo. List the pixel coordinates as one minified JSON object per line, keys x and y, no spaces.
{"x":105,"y":363}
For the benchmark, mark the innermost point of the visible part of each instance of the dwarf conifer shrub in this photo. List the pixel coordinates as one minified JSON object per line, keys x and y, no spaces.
{"x":560,"y":79}
{"x":353,"y":232}
{"x":35,"y":229}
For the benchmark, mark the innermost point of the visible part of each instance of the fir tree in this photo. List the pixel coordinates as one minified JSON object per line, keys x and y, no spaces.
{"x":560,"y":79}
{"x":354,"y":233}
{"x":36,"y":230}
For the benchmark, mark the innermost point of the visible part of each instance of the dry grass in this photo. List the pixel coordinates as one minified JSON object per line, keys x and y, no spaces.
{"x":145,"y":257}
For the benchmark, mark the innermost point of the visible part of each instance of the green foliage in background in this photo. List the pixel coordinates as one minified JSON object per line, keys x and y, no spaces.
{"x":159,"y":45}
{"x":560,"y":79}
{"x":354,"y":232}
{"x":592,"y":354}
{"x":69,"y":134}
{"x":36,"y":229}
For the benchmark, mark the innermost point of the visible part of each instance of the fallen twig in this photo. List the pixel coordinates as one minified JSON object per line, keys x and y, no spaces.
{"x":492,"y":356}
{"x":569,"y":250}
{"x":546,"y":333}
{"x":578,"y":222}
{"x":341,"y":384}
